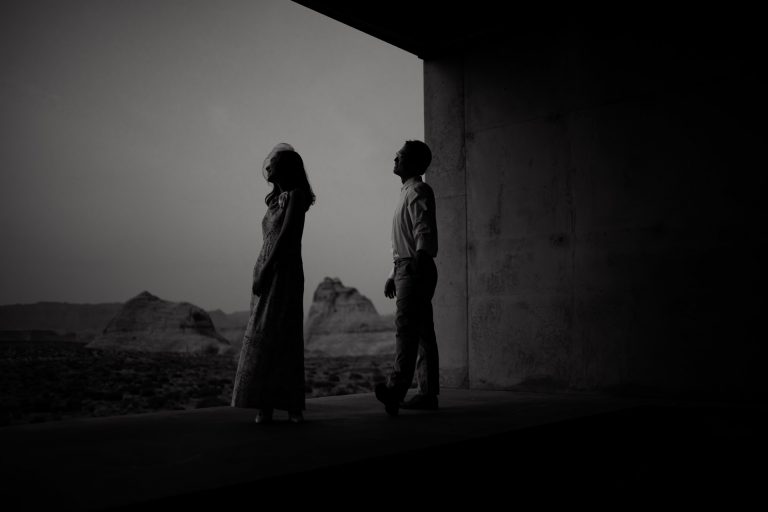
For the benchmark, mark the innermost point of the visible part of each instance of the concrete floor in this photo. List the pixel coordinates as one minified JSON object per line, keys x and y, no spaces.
{"x":480,"y":447}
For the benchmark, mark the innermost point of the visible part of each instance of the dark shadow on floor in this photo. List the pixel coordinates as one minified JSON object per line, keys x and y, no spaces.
{"x":689,"y":454}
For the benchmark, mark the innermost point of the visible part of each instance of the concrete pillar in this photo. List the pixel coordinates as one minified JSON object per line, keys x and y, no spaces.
{"x":444,"y":133}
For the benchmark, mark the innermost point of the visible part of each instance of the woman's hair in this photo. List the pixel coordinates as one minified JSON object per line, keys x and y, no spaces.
{"x":290,"y":166}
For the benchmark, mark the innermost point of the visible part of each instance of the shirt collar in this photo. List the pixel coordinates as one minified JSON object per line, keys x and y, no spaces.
{"x":411,"y":181}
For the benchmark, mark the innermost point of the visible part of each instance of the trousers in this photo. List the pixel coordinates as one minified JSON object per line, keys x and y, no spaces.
{"x":416,"y":345}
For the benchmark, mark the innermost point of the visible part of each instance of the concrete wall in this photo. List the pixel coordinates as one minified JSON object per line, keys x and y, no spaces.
{"x":444,"y":132}
{"x":598,"y":227}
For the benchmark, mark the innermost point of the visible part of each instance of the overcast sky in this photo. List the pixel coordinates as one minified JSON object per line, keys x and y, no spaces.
{"x":132,"y":135}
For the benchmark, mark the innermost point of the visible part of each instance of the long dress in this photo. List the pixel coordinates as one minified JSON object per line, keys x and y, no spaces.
{"x":270,"y":371}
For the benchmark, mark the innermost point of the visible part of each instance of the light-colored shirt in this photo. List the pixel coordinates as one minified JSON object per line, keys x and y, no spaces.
{"x":414,"y":225}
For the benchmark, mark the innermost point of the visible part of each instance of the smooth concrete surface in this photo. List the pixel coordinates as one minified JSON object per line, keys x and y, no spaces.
{"x":444,"y":134}
{"x":612,"y":227}
{"x":479,"y":447}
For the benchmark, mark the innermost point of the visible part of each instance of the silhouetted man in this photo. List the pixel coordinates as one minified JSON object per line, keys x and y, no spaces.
{"x":412,"y":281}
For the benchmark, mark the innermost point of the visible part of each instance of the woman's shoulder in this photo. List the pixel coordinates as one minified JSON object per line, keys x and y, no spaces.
{"x":297,"y":193}
{"x":299,"y":197}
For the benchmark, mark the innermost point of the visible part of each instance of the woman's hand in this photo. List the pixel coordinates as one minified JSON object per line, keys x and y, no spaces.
{"x":261,"y":281}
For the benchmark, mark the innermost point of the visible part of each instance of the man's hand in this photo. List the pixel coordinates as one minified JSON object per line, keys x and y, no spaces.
{"x":389,"y":288}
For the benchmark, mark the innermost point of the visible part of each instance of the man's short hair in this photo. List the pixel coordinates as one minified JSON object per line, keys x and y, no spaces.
{"x":419,"y":154}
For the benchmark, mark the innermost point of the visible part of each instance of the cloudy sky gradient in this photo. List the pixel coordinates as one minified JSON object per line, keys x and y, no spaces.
{"x":132,"y":135}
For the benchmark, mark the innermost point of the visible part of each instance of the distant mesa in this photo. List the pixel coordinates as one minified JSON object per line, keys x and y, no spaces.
{"x":337,"y":308}
{"x":343,"y":322}
{"x":148,"y":323}
{"x":69,"y":322}
{"x":36,"y":335}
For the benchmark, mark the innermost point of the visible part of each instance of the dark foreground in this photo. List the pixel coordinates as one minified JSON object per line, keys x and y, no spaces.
{"x":483,"y":450}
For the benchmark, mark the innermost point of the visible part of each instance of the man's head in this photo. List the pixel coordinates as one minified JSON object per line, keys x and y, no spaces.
{"x":412,"y":159}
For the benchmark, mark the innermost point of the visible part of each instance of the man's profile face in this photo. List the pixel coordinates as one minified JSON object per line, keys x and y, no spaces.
{"x":400,"y":158}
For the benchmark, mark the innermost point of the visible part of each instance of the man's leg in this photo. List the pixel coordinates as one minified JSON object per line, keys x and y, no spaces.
{"x":407,"y":336}
{"x":422,"y":386}
{"x":427,"y":363}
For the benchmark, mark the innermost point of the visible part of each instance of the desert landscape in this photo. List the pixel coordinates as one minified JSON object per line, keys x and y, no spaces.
{"x":63,"y":361}
{"x":55,"y":380}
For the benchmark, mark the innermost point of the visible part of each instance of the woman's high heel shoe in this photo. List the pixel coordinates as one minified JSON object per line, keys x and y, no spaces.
{"x":263,"y":416}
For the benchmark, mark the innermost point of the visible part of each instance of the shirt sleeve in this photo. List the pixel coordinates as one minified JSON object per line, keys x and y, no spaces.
{"x":421,"y":209}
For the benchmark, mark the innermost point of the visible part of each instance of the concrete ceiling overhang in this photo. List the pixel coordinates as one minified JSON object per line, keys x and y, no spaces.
{"x":432,"y":28}
{"x":424,"y":28}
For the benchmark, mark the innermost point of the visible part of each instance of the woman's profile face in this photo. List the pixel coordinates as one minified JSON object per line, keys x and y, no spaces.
{"x":270,"y":170}
{"x":275,"y":171}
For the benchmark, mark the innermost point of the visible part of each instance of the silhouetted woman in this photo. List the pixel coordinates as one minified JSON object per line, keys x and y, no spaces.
{"x":270,"y":372}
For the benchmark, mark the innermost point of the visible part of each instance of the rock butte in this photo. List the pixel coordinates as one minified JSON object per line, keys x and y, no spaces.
{"x":149,"y":323}
{"x":343,"y":322}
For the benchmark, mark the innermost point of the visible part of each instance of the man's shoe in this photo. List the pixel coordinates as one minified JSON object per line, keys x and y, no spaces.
{"x":263,"y":416}
{"x":385,"y":395}
{"x":421,"y":402}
